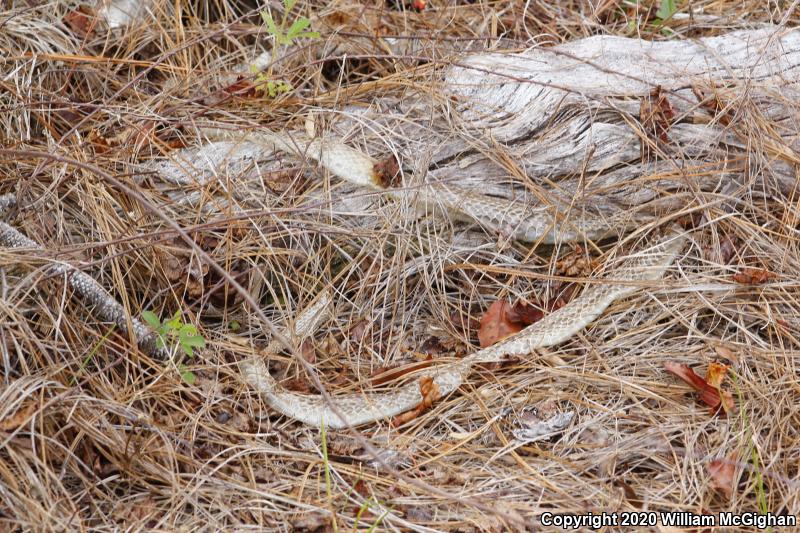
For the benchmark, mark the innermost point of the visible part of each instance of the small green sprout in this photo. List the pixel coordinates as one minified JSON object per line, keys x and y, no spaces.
{"x":176,"y":332}
{"x":666,"y":9}
{"x":296,"y":31}
{"x":283,"y":37}
{"x":266,"y":85}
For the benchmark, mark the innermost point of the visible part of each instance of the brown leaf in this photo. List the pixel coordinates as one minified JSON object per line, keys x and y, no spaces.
{"x":299,"y":384}
{"x":430,"y":393}
{"x":524,"y":314}
{"x":713,"y":104}
{"x":81,"y":21}
{"x":22,"y":416}
{"x":727,"y":249}
{"x":565,"y":294}
{"x":138,"y":511}
{"x":360,"y":487}
{"x":496,"y":325}
{"x":656,"y":115}
{"x":359,"y":331}
{"x":464,"y":323}
{"x":726,"y":353}
{"x":715,"y":375}
{"x":242,"y":87}
{"x":752,"y":276}
{"x":312,"y":522}
{"x":387,"y":172}
{"x":722,"y":472}
{"x":708,"y":394}
{"x":307,"y":351}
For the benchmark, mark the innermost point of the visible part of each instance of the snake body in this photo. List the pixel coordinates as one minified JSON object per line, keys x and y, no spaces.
{"x":356,"y":409}
{"x":543,"y":224}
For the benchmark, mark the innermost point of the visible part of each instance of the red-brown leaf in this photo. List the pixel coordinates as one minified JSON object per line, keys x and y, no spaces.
{"x":752,"y":276}
{"x":496,"y":325}
{"x":22,"y":416}
{"x":524,"y":314}
{"x":430,"y":393}
{"x":81,"y":21}
{"x":708,"y":394}
{"x":722,"y":472}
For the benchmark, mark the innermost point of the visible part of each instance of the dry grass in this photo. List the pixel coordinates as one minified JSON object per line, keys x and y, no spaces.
{"x":96,"y":435}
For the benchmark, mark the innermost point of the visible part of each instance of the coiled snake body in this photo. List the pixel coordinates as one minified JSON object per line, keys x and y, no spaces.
{"x":355,"y":409}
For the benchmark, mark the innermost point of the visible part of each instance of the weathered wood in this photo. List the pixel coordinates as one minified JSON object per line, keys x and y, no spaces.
{"x":560,"y":126}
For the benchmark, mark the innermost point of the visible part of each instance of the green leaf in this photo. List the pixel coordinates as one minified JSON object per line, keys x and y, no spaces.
{"x":234,"y":326}
{"x":152,"y":319}
{"x":196,"y":341}
{"x":188,"y":376}
{"x":289,"y":4}
{"x":271,"y":27}
{"x":666,"y":9}
{"x":308,"y":35}
{"x":297,"y":27}
{"x":187,"y":330}
{"x":175,"y":322}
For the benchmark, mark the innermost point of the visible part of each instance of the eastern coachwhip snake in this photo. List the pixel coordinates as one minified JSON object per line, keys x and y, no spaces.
{"x":355,"y":409}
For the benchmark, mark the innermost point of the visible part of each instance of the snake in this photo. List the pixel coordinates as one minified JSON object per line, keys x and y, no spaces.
{"x":348,"y":410}
{"x":341,"y":411}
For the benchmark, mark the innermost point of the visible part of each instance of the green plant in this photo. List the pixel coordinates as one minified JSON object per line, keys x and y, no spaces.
{"x":296,"y":31}
{"x":755,"y":459}
{"x":175,"y":332}
{"x":666,"y":9}
{"x":283,"y":37}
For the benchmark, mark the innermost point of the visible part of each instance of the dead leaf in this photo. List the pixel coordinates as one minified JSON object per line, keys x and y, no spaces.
{"x":656,"y":116}
{"x":22,"y":416}
{"x":138,"y":511}
{"x":752,"y":276}
{"x":463,"y":323}
{"x":359,"y":331}
{"x":496,"y":325}
{"x":727,"y":249}
{"x":243,"y":87}
{"x":81,"y":21}
{"x":722,"y":472}
{"x":362,"y":489}
{"x":387,"y":172}
{"x":716,"y":374}
{"x":714,"y":105}
{"x":630,"y":494}
{"x":430,"y":393}
{"x":708,"y":394}
{"x":524,"y":314}
{"x":312,"y":522}
{"x":308,"y":352}
{"x":726,"y":353}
